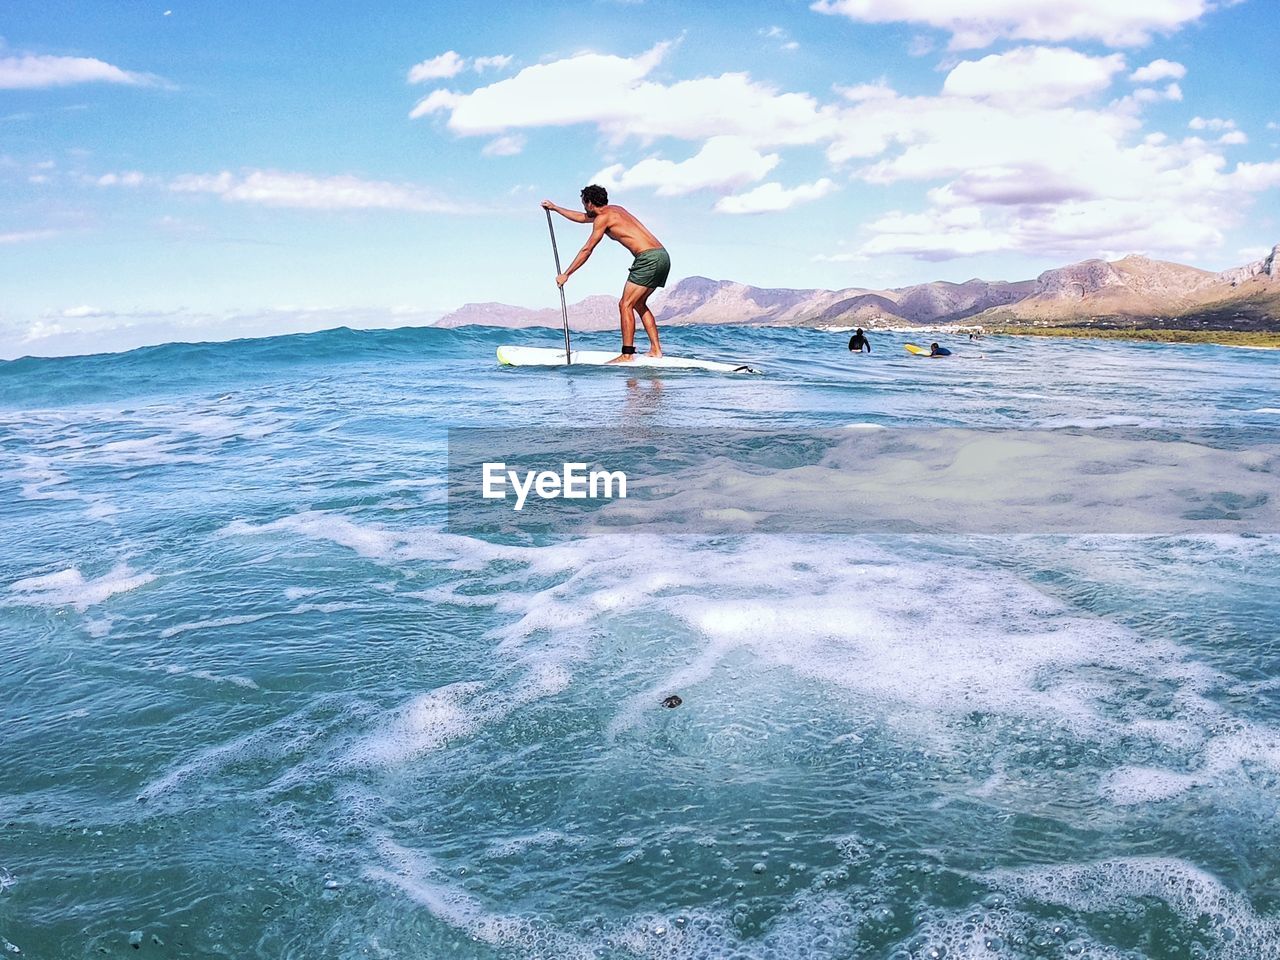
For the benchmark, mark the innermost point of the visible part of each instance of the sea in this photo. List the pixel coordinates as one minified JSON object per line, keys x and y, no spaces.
{"x":260,"y":697}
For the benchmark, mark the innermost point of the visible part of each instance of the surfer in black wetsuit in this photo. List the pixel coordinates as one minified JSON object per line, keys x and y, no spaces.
{"x":858,"y":341}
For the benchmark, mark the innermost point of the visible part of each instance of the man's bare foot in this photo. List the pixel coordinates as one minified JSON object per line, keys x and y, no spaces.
{"x":624,"y":358}
{"x":655,"y":352}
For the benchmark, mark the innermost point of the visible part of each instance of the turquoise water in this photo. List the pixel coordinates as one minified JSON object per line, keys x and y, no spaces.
{"x":258,"y":702}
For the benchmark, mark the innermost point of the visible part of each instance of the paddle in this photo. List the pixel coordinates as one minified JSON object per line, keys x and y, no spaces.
{"x":564,"y":310}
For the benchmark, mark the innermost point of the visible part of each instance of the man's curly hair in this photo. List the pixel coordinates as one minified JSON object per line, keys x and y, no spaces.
{"x":595,"y":194}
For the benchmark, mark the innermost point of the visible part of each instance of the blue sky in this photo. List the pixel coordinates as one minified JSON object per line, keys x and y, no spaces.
{"x":199,"y":171}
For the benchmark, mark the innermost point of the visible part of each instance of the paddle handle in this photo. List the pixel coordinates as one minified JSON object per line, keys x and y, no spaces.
{"x":564,"y":310}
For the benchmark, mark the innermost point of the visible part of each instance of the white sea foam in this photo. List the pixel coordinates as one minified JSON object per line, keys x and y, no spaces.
{"x":289,"y":736}
{"x":99,"y":627}
{"x":1194,"y":896}
{"x":1223,"y":757}
{"x":425,"y":724}
{"x":152,"y":451}
{"x":70,"y":588}
{"x":383,"y":544}
{"x":174,"y":669}
{"x":212,"y":624}
{"x":452,"y":713}
{"x":40,"y":480}
{"x":517,"y":846}
{"x":368,"y":541}
{"x":215,"y":623}
{"x":814,"y":923}
{"x":921,"y":644}
{"x":100,"y":509}
{"x":335,"y":606}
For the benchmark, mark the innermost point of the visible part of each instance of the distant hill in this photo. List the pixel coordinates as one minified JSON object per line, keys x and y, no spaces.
{"x":1135,"y":290}
{"x":593,"y":313}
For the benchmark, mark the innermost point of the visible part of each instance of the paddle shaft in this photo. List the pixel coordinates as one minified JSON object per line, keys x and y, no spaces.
{"x":564,"y":310}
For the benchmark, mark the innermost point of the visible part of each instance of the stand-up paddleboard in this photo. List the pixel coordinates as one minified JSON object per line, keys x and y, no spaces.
{"x":922,"y":352}
{"x":547,"y":357}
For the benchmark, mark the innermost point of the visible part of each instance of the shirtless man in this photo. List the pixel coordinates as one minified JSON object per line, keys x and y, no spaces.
{"x":649,"y":270}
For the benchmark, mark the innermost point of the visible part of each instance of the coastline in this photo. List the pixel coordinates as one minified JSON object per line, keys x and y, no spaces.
{"x":1259,"y":339}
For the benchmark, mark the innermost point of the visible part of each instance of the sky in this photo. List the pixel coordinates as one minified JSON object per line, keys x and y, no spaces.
{"x":203,"y":171}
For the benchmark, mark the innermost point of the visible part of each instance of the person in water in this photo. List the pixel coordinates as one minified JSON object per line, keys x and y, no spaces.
{"x":649,"y":270}
{"x":937,"y":351}
{"x":858,"y":341}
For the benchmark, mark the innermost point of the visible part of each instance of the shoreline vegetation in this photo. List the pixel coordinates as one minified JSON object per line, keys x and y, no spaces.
{"x":1226,"y":338}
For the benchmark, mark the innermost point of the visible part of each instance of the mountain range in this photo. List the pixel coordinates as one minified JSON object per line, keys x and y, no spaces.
{"x":1133,"y":291}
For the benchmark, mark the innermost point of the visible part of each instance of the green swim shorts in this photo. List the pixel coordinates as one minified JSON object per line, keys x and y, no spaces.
{"x":650,"y":268}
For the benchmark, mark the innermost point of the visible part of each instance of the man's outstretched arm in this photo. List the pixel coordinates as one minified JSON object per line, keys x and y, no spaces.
{"x":577,"y":216}
{"x":597,"y":232}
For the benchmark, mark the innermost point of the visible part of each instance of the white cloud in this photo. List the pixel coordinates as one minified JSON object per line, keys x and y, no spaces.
{"x":781,"y":35}
{"x":76,"y":313}
{"x":500,"y":62}
{"x":612,"y":93}
{"x":723,"y":162}
{"x":26,"y":236}
{"x":936,"y":235}
{"x":1008,"y":153}
{"x":1145,"y":95}
{"x":1257,"y":176}
{"x":1033,"y":75}
{"x":979,"y":23}
{"x":1233,"y":138}
{"x":1088,"y":228}
{"x":435,"y":102}
{"x":41,"y":330}
{"x":1211,"y":123}
{"x":920,"y":46}
{"x":773,"y":197}
{"x":131,"y":178}
{"x":305,"y":191}
{"x":1049,"y":179}
{"x":203,"y":183}
{"x":866,"y":91}
{"x":839,"y":258}
{"x":448,"y":64}
{"x":1173,"y":200}
{"x":1158,"y":70}
{"x":31,"y":72}
{"x":504,"y":146}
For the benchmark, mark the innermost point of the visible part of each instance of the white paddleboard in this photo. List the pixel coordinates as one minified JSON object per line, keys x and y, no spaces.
{"x":548,"y":357}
